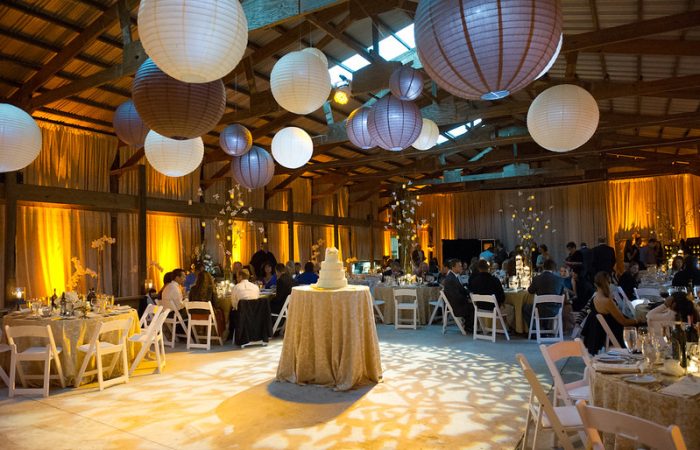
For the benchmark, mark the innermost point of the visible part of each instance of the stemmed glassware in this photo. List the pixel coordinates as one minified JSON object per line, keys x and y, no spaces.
{"x":629,"y":335}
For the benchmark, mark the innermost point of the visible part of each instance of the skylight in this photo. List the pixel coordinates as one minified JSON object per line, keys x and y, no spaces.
{"x":457,"y":132}
{"x":406,"y":35}
{"x":335,"y":72}
{"x":441,"y":139}
{"x":390,"y":48}
{"x":355,"y":62}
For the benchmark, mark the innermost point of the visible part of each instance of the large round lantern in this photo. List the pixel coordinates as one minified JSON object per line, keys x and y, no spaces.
{"x":235,"y":140}
{"x":300,"y":82}
{"x":254,"y":169}
{"x":478,"y":49}
{"x":20,"y":138}
{"x":356,"y":126}
{"x":194,"y":41}
{"x":406,"y":83}
{"x":394,"y":124}
{"x":171,"y":157}
{"x":128,"y":125}
{"x":428,"y":136}
{"x":292,"y":147}
{"x":563,"y":118}
{"x":319,"y":53}
{"x":176,"y":109}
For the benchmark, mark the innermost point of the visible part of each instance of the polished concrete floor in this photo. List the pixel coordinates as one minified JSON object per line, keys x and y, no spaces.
{"x":439,"y":391}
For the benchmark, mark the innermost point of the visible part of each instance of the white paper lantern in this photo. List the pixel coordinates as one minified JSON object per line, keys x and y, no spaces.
{"x":292,"y":147}
{"x":319,"y":53}
{"x":171,"y":157}
{"x":300,"y":82}
{"x":20,"y":138}
{"x":428,"y":136}
{"x":193,"y":41}
{"x":563,"y":118}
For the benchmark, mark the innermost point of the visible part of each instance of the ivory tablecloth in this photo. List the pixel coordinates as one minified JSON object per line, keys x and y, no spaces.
{"x":69,"y":334}
{"x":518,"y":299}
{"x":425,"y":295}
{"x":330,"y":338}
{"x":612,"y":392}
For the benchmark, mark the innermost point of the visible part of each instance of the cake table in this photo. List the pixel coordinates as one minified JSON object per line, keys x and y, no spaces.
{"x":330,"y":338}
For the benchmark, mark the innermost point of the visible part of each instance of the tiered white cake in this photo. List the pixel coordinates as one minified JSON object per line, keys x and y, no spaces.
{"x":332,"y":275}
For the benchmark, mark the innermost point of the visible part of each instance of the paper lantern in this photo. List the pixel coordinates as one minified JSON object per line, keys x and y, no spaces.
{"x":172,"y":157}
{"x":428,"y":136}
{"x":478,"y":49}
{"x":300,"y":82}
{"x":394,"y":124}
{"x":20,"y":138}
{"x":319,"y":53}
{"x":356,"y":126}
{"x":193,"y":41}
{"x":553,"y":59}
{"x":235,"y":140}
{"x":254,"y":169}
{"x":176,"y":109}
{"x":406,"y":83}
{"x":563,"y":118}
{"x":128,"y":125}
{"x":292,"y":147}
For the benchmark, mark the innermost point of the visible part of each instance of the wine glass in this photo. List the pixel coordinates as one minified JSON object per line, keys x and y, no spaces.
{"x":629,"y":335}
{"x":650,"y":352}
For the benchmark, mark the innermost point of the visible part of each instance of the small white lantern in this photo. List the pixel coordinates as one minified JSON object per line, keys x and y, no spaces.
{"x":563,"y":118}
{"x":428,"y":136}
{"x":300,"y":82}
{"x":292,"y":147}
{"x":193,"y":41}
{"x":20,"y":138}
{"x":171,"y":157}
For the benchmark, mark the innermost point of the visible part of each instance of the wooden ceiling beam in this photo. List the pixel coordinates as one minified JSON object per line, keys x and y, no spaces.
{"x":350,"y":42}
{"x":664,"y":47}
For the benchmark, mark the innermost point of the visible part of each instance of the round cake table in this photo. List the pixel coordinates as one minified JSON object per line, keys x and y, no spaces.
{"x":330,"y":338}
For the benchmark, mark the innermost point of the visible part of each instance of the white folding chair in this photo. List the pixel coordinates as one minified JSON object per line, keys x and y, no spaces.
{"x":648,"y":293}
{"x":623,"y":302}
{"x":3,"y":375}
{"x":643,"y":432}
{"x":610,"y":339}
{"x":557,"y":322}
{"x":488,"y":331}
{"x":45,"y":354}
{"x":171,"y":322}
{"x":575,"y":390}
{"x":562,"y":420}
{"x":152,"y":336}
{"x":448,"y":315}
{"x":400,"y":304}
{"x":147,"y":316}
{"x":98,"y":348}
{"x":437,"y":305}
{"x":282,"y":315}
{"x":378,"y":312}
{"x":204,"y":308}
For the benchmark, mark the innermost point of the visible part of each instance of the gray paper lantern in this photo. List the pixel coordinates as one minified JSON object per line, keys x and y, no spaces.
{"x":394,"y":124}
{"x":406,"y":83}
{"x":356,"y":127}
{"x":254,"y":169}
{"x":176,"y":109}
{"x":129,"y":126}
{"x":485,"y":49}
{"x":235,"y":140}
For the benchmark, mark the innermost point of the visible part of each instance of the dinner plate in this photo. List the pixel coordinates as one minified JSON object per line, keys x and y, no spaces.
{"x":641,"y":379}
{"x":611,"y":359}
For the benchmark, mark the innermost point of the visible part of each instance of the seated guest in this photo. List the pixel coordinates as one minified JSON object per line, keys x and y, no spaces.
{"x":676,"y":307}
{"x":629,"y":280}
{"x":443,"y":274}
{"x":677,"y":264}
{"x":434,"y":267}
{"x":308,"y":276}
{"x":192,"y":275}
{"x":203,"y":289}
{"x":394,"y":270}
{"x":244,"y":289}
{"x":689,"y":274}
{"x":422,"y":270}
{"x":173,"y":293}
{"x":482,"y":282}
{"x":253,"y":276}
{"x":546,"y":283}
{"x":148,"y":299}
{"x":473,"y":267}
{"x":237,"y":267}
{"x":603,"y":303}
{"x":269,"y":278}
{"x":290,"y":268}
{"x":542,"y":257}
{"x":583,"y":289}
{"x":565,"y":275}
{"x":284,"y":288}
{"x":488,"y":255}
{"x":167,"y":278}
{"x":297,"y":269}
{"x":457,"y":295}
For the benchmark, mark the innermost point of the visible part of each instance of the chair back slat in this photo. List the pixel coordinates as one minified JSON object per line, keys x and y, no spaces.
{"x":647,"y":292}
{"x":22,"y":331}
{"x":122,"y":325}
{"x":484,"y":299}
{"x":405,"y":295}
{"x":202,"y":306}
{"x":539,"y":299}
{"x":608,"y":332}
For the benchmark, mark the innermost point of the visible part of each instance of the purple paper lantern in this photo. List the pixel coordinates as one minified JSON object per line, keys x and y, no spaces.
{"x":356,"y":127}
{"x":254,"y":169}
{"x":406,"y":83}
{"x":235,"y":140}
{"x":176,"y":109}
{"x":394,"y":124}
{"x":483,"y":49}
{"x":128,"y":125}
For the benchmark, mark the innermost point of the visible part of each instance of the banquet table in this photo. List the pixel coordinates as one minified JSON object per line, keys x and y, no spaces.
{"x":645,"y":401}
{"x":71,"y":333}
{"x":425,"y":295}
{"x":518,"y":298}
{"x":330,"y":339}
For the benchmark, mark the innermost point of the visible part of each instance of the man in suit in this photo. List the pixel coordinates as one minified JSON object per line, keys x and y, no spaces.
{"x":457,"y":295}
{"x":587,"y":259}
{"x":283,"y":288}
{"x":603,"y":257}
{"x":546,"y":283}
{"x":484,"y":283}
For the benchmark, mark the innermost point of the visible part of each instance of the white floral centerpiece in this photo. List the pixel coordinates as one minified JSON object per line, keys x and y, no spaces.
{"x":99,"y":245}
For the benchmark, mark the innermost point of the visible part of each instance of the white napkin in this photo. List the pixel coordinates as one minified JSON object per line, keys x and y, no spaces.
{"x":616,"y":368}
{"x":685,"y":387}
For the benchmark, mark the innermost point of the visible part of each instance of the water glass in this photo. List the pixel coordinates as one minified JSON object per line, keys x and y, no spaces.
{"x":629,"y":335}
{"x":650,"y":352}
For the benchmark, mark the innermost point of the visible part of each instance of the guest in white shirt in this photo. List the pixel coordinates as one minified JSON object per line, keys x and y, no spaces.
{"x":244,"y":289}
{"x":173,"y":292}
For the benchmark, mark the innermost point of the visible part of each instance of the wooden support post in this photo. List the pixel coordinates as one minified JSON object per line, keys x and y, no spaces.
{"x":114,"y":232}
{"x":10,"y":235}
{"x":290,"y":223}
{"x":370,"y":221}
{"x":141,"y":251}
{"x":336,"y":233}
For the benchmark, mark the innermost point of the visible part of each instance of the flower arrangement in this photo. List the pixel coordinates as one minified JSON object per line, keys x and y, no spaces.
{"x":200,"y":256}
{"x":233,"y":206}
{"x":403,"y":221}
{"x":78,"y":272}
{"x":352,"y":260}
{"x":99,"y":245}
{"x":316,"y":250}
{"x":530,"y":222}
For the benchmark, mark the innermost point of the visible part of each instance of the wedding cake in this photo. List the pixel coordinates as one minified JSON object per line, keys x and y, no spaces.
{"x":332,"y":275}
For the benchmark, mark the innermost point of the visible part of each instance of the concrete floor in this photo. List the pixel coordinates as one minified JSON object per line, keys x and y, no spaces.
{"x":439,"y":391}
